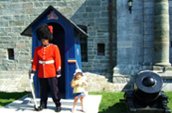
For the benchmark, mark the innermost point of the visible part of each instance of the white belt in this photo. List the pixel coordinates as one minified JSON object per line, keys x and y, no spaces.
{"x":46,"y":62}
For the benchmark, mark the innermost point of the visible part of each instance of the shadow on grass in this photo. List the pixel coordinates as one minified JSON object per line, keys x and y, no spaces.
{"x":8,"y":97}
{"x":116,"y":108}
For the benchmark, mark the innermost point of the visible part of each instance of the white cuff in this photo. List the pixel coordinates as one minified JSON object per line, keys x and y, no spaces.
{"x":58,"y":76}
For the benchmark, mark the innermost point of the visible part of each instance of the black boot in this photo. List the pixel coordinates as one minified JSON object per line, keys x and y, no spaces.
{"x":58,"y":109}
{"x":37,"y":108}
{"x":58,"y":105}
{"x":43,"y":105}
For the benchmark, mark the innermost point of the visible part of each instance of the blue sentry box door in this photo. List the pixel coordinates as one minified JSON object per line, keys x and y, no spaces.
{"x":74,"y":61}
{"x":70,"y":67}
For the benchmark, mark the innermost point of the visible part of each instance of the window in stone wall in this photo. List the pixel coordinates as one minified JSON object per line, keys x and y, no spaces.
{"x":83,"y":42}
{"x":101,"y":49}
{"x":10,"y":53}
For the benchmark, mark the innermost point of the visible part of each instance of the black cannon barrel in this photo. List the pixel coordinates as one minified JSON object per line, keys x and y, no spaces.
{"x":149,"y":82}
{"x":148,"y":85}
{"x":147,"y":95}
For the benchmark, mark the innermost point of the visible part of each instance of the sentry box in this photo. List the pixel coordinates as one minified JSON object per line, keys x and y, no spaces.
{"x":66,"y":34}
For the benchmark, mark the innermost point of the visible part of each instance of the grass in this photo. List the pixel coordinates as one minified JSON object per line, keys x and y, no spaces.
{"x":6,"y":98}
{"x":169,"y":94}
{"x":111,"y":102}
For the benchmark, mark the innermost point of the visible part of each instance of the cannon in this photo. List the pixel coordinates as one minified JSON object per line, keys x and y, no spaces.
{"x":146,"y":94}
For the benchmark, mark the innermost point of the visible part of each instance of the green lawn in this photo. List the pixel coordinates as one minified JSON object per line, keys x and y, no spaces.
{"x":111,"y":102}
{"x":6,"y":98}
{"x":169,"y":94}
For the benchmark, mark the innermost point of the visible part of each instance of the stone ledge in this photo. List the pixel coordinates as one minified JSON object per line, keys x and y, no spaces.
{"x":14,"y":81}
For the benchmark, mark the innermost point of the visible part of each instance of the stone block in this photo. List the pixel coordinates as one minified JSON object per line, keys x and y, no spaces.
{"x":14,"y":81}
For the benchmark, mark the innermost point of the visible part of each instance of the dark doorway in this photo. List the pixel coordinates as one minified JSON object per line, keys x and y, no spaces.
{"x":59,"y":40}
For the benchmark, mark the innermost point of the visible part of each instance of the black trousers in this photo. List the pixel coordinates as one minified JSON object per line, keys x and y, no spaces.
{"x":49,"y":85}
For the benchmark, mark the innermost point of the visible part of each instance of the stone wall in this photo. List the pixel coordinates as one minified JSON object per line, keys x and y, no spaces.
{"x":94,"y":15}
{"x":148,"y":24}
{"x":130,"y":37}
{"x":133,"y":34}
{"x":16,"y":15}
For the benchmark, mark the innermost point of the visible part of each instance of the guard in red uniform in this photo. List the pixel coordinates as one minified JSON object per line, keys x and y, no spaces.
{"x":47,"y":61}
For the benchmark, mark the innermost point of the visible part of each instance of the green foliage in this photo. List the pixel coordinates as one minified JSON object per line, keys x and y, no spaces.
{"x":6,"y":98}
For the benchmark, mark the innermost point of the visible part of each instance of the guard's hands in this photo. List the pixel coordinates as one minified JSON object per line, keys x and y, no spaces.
{"x":58,"y":73}
{"x":31,"y":75}
{"x":58,"y":76}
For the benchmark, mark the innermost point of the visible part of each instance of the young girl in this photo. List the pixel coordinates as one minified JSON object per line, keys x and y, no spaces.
{"x":78,"y":84}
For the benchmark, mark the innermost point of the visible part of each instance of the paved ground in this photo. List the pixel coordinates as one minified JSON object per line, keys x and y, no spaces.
{"x":25,"y":105}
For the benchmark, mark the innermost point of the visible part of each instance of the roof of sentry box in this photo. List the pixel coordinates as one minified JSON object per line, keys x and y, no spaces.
{"x":28,"y":30}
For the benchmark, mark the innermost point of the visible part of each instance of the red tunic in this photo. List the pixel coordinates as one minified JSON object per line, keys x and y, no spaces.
{"x":47,"y":61}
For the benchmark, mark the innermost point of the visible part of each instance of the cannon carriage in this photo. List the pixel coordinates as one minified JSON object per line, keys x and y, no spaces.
{"x":146,"y":94}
